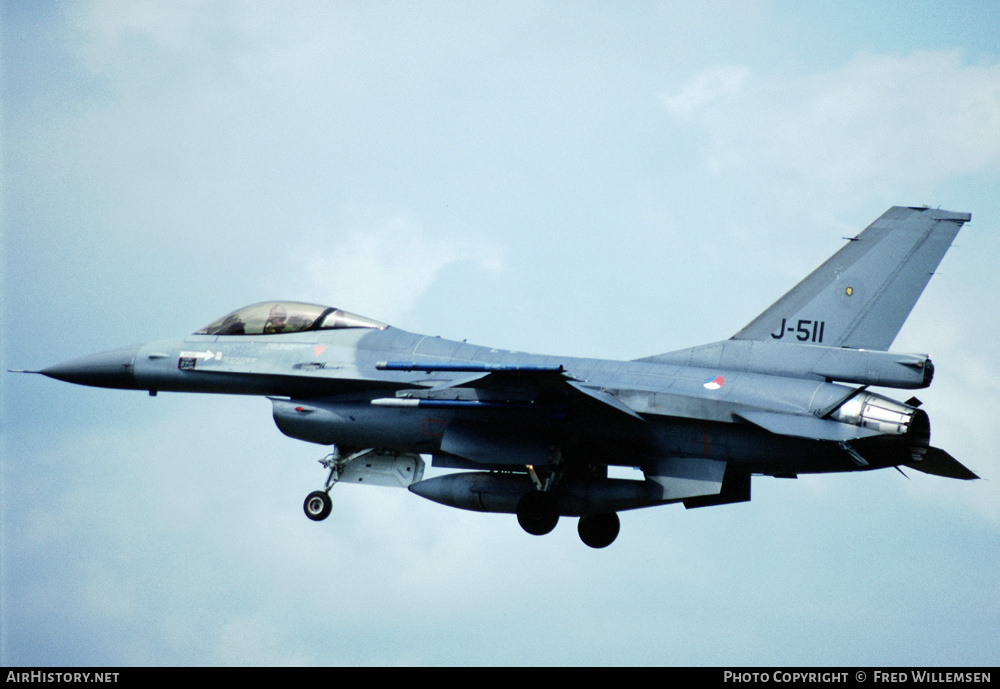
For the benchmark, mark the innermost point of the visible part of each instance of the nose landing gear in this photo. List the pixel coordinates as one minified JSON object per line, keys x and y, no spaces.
{"x":318,"y":503}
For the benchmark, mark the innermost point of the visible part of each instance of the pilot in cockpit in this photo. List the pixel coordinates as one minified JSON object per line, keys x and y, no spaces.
{"x":275,"y":320}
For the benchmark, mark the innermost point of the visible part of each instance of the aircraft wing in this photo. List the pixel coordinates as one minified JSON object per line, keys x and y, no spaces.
{"x":498,"y":386}
{"x":509,"y":410}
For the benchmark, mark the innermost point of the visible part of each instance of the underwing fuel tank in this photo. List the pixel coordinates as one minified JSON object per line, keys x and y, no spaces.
{"x":483,"y":491}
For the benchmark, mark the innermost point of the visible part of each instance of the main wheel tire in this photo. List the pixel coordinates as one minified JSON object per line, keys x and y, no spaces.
{"x":599,"y":530}
{"x":318,"y":505}
{"x":537,"y":512}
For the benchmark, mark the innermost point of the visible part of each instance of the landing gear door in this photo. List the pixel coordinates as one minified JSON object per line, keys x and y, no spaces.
{"x":390,"y":469}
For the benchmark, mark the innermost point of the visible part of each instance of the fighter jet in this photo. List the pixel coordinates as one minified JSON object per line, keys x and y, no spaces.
{"x":535,"y":435}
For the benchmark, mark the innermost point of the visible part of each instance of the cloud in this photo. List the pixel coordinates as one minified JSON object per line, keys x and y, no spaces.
{"x":186,"y":158}
{"x":879,"y":119}
{"x":125,"y":41}
{"x":378,"y":267}
{"x":719,"y":85}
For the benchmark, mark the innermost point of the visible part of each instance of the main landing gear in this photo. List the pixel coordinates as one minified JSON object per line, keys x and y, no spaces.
{"x":599,"y":530}
{"x":538,"y":514}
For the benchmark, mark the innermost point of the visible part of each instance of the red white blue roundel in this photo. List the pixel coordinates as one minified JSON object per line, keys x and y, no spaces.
{"x":714,"y":383}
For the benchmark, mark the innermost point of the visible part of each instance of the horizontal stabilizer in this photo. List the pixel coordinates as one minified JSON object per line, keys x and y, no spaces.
{"x":804,"y":426}
{"x":940,"y":463}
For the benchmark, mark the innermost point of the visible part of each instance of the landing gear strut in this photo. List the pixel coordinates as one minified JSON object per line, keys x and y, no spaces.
{"x":537,"y":510}
{"x":318,"y":504}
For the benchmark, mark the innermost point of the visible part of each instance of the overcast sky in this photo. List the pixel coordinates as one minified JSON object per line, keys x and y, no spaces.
{"x":612,"y":180}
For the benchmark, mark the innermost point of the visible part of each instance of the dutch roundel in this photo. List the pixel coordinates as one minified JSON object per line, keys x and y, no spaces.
{"x":714,"y":383}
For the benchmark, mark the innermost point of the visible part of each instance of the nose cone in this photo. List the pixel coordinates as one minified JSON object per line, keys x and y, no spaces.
{"x":112,"y":369}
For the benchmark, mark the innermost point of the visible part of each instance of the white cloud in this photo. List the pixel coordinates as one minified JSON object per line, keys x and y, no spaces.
{"x":115,"y":33}
{"x":879,"y":119}
{"x":712,"y":87}
{"x":228,"y":146}
{"x":377,"y":267}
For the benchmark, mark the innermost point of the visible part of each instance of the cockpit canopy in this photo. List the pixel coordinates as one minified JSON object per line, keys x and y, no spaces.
{"x":274,"y":317}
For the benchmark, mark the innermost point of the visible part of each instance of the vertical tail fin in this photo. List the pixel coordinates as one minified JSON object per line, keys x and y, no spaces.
{"x":861,"y":296}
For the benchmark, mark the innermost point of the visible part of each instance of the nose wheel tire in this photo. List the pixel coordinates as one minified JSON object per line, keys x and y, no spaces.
{"x":318,"y":505}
